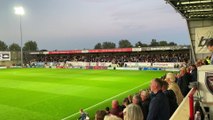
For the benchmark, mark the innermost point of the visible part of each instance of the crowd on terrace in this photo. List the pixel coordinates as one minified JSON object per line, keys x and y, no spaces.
{"x":157,"y":103}
{"x":160,"y":101}
{"x":125,"y":57}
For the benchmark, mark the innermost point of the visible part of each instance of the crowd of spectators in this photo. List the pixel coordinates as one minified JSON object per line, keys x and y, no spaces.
{"x":125,"y":57}
{"x":165,"y":94}
{"x":159,"y":102}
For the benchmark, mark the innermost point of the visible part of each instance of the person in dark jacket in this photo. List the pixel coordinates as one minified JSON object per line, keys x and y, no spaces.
{"x":193,"y":73}
{"x":136,"y":100}
{"x":183,"y":81}
{"x":210,"y":48}
{"x":171,"y":97}
{"x":159,"y":105}
{"x":83,"y":115}
{"x":145,"y":102}
{"x":116,"y":109}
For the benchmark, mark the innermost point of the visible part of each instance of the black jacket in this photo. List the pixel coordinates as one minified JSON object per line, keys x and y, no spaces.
{"x":183,"y":83}
{"x":145,"y":107}
{"x":194,"y":75}
{"x":172,"y":101}
{"x":159,"y":107}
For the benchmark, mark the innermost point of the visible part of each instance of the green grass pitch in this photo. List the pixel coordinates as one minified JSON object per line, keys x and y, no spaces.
{"x":53,"y":94}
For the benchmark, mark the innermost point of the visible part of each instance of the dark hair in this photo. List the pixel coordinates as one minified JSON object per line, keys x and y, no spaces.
{"x":164,"y":83}
{"x":194,"y":66}
{"x":126,"y":100}
{"x":163,"y":77}
{"x":210,"y":42}
{"x":100,"y":114}
{"x":158,"y":81}
{"x":107,"y":108}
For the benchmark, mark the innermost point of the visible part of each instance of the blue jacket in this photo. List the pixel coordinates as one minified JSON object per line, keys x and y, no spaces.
{"x":159,"y":107}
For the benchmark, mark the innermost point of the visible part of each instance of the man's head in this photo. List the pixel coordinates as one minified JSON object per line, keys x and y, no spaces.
{"x":193,"y":67}
{"x":135,"y":99}
{"x":126,"y":101}
{"x":144,"y":95}
{"x":165,"y":86}
{"x":182,"y":71}
{"x":210,"y":45}
{"x":100,"y":114}
{"x":115,"y":104}
{"x":170,"y":77}
{"x":156,"y":85}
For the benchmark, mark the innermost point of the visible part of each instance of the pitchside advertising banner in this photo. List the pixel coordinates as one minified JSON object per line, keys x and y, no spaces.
{"x":4,"y":56}
{"x":202,"y":36}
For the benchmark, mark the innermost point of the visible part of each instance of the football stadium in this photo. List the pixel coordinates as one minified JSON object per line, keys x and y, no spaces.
{"x":128,"y":83}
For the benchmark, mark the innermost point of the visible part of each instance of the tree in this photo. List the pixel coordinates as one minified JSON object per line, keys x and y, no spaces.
{"x":107,"y":45}
{"x":3,"y":46}
{"x":139,"y":44}
{"x":98,"y":46}
{"x":14,"y":47}
{"x":154,"y":42}
{"x":43,"y":50}
{"x":30,"y":46}
{"x":163,"y":43}
{"x":124,"y":44}
{"x":172,"y":44}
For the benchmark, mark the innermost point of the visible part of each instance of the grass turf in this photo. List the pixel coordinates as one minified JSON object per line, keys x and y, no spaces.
{"x":53,"y":94}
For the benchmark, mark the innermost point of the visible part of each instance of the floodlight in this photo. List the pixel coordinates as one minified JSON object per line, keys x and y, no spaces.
{"x":19,"y":10}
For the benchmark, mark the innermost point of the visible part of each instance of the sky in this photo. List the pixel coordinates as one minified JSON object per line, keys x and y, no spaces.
{"x":80,"y":24}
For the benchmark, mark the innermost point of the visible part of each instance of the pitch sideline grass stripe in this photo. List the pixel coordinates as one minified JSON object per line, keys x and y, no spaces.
{"x":70,"y":116}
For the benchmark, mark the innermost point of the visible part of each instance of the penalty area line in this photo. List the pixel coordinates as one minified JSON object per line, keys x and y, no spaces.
{"x":86,"y":109}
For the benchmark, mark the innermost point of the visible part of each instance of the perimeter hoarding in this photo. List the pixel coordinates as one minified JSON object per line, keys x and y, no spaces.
{"x":5,"y":56}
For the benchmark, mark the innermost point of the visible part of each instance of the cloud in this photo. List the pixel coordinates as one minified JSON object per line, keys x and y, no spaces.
{"x":82,"y":23}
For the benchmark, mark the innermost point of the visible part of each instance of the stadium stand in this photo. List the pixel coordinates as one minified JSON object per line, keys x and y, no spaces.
{"x":167,"y":56}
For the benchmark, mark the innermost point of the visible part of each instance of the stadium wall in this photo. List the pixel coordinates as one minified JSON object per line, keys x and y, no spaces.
{"x":167,"y":66}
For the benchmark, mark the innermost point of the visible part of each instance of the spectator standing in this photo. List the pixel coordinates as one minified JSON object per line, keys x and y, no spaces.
{"x":116,"y":109}
{"x":100,"y":114}
{"x":159,"y":105}
{"x":107,"y":110}
{"x":125,"y":103}
{"x":170,"y":78}
{"x":130,"y":98}
{"x":193,"y":73}
{"x":210,"y":48}
{"x":183,"y":81}
{"x":133,"y":112}
{"x":111,"y":117}
{"x":136,"y":100}
{"x":171,"y":97}
{"x":83,"y":115}
{"x":145,"y":102}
